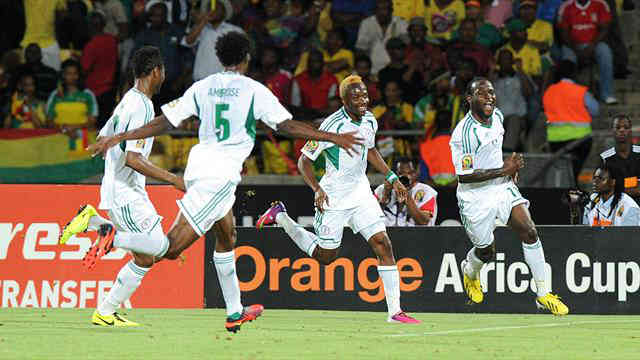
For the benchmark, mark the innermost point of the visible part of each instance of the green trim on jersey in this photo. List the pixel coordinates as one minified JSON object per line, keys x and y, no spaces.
{"x":123,"y":144}
{"x":372,"y":124}
{"x":333,"y":155}
{"x":338,"y":129}
{"x":466,"y":140}
{"x":477,"y":138}
{"x":195,"y":102}
{"x":250,"y":124}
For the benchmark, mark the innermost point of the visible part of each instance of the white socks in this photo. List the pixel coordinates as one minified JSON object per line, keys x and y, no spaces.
{"x":95,"y":221}
{"x":226,"y":268}
{"x":153,"y":243}
{"x":306,"y":241}
{"x":473,"y":265}
{"x":128,"y":280}
{"x":391,"y":281}
{"x":534,"y":257}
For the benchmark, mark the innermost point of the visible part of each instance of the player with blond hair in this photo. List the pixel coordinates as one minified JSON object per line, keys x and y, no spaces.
{"x":344,"y":197}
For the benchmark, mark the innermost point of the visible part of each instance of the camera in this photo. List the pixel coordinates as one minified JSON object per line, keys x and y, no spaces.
{"x":404,"y":180}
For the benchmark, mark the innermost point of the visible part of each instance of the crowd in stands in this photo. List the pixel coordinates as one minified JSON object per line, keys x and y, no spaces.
{"x":64,"y":65}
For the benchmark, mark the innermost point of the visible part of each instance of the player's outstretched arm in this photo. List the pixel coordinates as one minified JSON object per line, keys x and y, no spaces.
{"x":509,"y":168}
{"x":145,"y":167}
{"x":158,"y":126}
{"x":297,"y":129}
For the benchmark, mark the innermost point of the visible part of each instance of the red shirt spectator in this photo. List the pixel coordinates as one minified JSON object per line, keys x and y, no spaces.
{"x":313,"y":88}
{"x":582,"y":20}
{"x":99,"y":61}
{"x":280,"y":85}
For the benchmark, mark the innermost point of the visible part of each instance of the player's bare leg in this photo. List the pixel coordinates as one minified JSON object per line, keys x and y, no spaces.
{"x":388,"y":271}
{"x":521,"y":222}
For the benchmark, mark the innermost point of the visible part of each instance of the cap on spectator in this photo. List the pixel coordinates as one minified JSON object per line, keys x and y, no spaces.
{"x":395,"y":43}
{"x":228,"y":9}
{"x":418,"y":20}
{"x":515,"y":25}
{"x":473,"y":3}
{"x":528,"y":3}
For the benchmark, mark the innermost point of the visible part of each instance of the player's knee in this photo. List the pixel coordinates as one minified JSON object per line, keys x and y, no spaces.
{"x":486,"y":254}
{"x":143,"y":260}
{"x":380,"y":243}
{"x":325,"y":256}
{"x":531,"y":234}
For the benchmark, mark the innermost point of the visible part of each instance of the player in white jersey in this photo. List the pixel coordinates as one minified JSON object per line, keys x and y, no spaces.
{"x":228,"y":105}
{"x":343,"y":196}
{"x":487,"y":191}
{"x":123,"y":192}
{"x":609,"y":205}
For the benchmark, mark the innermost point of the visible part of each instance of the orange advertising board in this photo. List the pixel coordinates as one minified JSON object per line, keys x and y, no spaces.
{"x":37,"y":272}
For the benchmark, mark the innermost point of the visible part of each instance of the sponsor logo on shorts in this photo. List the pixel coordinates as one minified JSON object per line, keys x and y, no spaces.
{"x":311,"y":146}
{"x":324,"y":230}
{"x":467,"y":162}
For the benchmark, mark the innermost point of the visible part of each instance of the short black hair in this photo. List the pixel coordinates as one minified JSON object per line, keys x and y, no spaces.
{"x":566,"y":69}
{"x":364,"y":58}
{"x":232,"y":48}
{"x":146,"y":59}
{"x":620,"y":116}
{"x":471,"y":84}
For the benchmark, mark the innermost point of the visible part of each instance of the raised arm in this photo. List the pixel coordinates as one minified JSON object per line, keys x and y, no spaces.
{"x":374,"y":158}
{"x":297,"y":129}
{"x":158,"y":126}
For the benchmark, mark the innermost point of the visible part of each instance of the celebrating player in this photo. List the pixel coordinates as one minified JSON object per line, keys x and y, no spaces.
{"x":343,"y":195}
{"x":228,"y":104}
{"x":486,"y":191}
{"x":123,"y":191}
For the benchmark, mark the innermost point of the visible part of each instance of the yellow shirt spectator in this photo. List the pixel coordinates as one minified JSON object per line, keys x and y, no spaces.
{"x":541,"y":31}
{"x":339,"y":55}
{"x":408,"y":9}
{"x":530,"y":57}
{"x":443,"y":21}
{"x":40,"y":17}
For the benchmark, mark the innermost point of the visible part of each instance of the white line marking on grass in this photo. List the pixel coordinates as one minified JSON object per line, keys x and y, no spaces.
{"x":515,"y":327}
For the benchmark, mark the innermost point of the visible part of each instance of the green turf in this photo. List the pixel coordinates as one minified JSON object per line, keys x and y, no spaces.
{"x":289,"y":334}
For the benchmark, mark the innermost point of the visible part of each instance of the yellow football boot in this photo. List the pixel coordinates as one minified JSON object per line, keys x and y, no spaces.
{"x":78,"y":224}
{"x":473,"y":288}
{"x":115,"y":319}
{"x":553,"y":304}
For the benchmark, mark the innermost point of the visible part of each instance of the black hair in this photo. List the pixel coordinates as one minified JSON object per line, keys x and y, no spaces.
{"x":404,"y":160}
{"x":364,"y":58}
{"x":232,"y":48}
{"x":67,"y":64}
{"x":620,"y":116}
{"x":618,"y":188}
{"x":442,"y":121}
{"x":469,"y":91}
{"x":146,"y":59}
{"x":566,"y":69}
{"x":275,"y":50}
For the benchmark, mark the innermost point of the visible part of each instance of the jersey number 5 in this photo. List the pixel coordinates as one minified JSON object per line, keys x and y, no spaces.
{"x":222,"y":124}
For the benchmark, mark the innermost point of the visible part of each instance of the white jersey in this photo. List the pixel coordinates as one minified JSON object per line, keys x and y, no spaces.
{"x":345,"y":180}
{"x":425,"y":198}
{"x":475,"y":146}
{"x":598,"y":213}
{"x":228,"y":105}
{"x":122,"y":185}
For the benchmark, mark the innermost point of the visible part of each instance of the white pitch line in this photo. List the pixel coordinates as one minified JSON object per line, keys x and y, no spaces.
{"x":498,"y":328}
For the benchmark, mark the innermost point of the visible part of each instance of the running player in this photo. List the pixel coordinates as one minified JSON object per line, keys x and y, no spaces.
{"x":228,"y":104}
{"x":486,"y":191}
{"x":343,"y":195}
{"x":123,"y":192}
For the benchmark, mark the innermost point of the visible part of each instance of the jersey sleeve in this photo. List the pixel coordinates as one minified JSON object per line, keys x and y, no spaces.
{"x":461,"y":154}
{"x":267,"y":108}
{"x":427,"y":200}
{"x":183,"y":107}
{"x":313,"y":148}
{"x":138,"y":116}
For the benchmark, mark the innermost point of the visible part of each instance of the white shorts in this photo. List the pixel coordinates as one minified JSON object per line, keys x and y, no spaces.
{"x":366,"y":219}
{"x":207,"y":201}
{"x":480,"y":209}
{"x":137,"y":216}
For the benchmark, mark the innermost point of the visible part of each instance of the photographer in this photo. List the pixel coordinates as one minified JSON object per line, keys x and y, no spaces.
{"x":419,"y":208}
{"x":608,"y":205}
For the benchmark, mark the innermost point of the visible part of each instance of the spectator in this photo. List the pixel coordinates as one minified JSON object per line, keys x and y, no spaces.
{"x":312,"y":89}
{"x":539,"y":32}
{"x":208,"y":28}
{"x":363,"y":69}
{"x":410,"y":77}
{"x":41,"y":17}
{"x":443,"y":17}
{"x":393,"y":114}
{"x":498,"y":12}
{"x":318,"y":22}
{"x":439,"y":98}
{"x":420,"y":51}
{"x":569,"y":108}
{"x":584,"y":25}
{"x":624,"y":157}
{"x":5,"y":92}
{"x":548,"y":10}
{"x":522,"y":51}
{"x":27,"y":111}
{"x":273,"y":76}
{"x":512,"y":88}
{"x":166,"y":36}
{"x":609,"y":205}
{"x":348,"y":14}
{"x":487,"y":34}
{"x":283,"y":31}
{"x":436,"y":153}
{"x":466,"y":46}
{"x":117,"y":24}
{"x":376,"y":30}
{"x":72,"y":32}
{"x":177,"y":11}
{"x":465,"y":72}
{"x":99,"y":62}
{"x":420,"y":206}
{"x":46,"y":77}
{"x":72,"y":108}
{"x":338,"y":60}
{"x":408,"y":9}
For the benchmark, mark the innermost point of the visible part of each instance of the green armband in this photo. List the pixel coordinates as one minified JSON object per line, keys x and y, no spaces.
{"x":391,"y":177}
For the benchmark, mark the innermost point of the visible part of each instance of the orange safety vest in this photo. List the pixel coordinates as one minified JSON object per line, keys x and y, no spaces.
{"x":564,"y":104}
{"x":436,"y":153}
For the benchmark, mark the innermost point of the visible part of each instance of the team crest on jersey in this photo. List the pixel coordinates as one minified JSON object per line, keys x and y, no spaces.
{"x":419,"y":195}
{"x":311,"y":146}
{"x":621,"y":210}
{"x":467,"y":162}
{"x":140,"y":143}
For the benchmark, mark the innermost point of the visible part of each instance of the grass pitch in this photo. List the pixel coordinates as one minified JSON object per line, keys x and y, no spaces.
{"x":291,"y":334}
